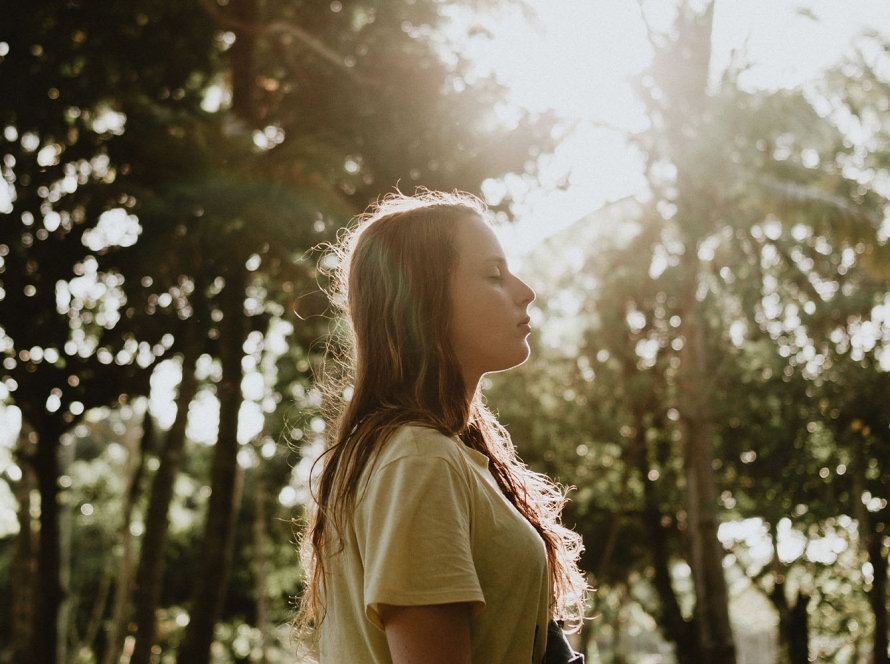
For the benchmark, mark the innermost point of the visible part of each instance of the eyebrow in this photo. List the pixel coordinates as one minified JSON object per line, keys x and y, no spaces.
{"x":501,"y":260}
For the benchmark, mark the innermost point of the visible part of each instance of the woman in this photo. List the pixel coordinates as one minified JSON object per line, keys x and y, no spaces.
{"x":431,"y":542}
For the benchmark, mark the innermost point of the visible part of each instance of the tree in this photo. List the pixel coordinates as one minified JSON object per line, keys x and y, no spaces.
{"x":57,"y":129}
{"x":752,"y":212}
{"x":322,"y":109}
{"x":696,"y":132}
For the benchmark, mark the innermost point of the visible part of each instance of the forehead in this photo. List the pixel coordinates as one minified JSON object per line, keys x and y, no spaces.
{"x":475,"y":240}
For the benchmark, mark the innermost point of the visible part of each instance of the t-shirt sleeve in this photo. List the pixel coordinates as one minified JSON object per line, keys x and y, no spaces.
{"x":412,"y":526}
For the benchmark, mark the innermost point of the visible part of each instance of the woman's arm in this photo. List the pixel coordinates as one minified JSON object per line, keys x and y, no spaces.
{"x":432,"y":634}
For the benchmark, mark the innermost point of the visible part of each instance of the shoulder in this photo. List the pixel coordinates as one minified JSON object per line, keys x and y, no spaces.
{"x":412,"y":441}
{"x":416,"y":464}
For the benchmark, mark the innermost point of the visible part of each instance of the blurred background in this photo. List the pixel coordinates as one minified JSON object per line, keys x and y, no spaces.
{"x":698,"y":190}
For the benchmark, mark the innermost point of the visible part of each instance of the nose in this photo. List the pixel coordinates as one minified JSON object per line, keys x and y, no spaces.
{"x":525,"y":294}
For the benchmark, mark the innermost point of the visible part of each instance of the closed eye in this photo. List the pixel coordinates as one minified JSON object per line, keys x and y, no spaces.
{"x":497,"y":269}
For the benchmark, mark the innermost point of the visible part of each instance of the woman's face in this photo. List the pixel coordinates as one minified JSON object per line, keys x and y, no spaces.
{"x":489,"y":305}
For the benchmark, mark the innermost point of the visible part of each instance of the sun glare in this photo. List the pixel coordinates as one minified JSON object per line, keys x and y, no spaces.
{"x":577,"y":58}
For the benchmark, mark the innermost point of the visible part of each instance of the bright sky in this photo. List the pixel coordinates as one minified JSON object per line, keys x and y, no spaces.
{"x":579,"y":60}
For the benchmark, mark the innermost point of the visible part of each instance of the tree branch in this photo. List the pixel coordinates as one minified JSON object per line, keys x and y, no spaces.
{"x":278,"y":28}
{"x":650,"y":33}
{"x":792,"y":193}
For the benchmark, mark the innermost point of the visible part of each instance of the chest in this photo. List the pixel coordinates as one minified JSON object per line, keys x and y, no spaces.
{"x":505,"y":545}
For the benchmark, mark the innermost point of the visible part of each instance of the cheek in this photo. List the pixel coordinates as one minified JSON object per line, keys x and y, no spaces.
{"x":467,"y":324}
{"x":466,"y":306}
{"x":472,"y":321}
{"x":461,"y":318}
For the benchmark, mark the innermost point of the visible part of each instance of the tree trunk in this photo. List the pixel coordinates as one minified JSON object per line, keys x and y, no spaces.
{"x":222,"y":511}
{"x":676,"y":627}
{"x":712,"y":601}
{"x":23,"y":593}
{"x":219,"y":534}
{"x":799,"y":631}
{"x":870,"y":545}
{"x":602,"y":568}
{"x":97,"y":612}
{"x":794,"y":632}
{"x":66,"y":530}
{"x":259,"y":534}
{"x":877,"y":597}
{"x":150,"y":571}
{"x":680,"y":109}
{"x":49,"y":586}
{"x":120,"y":608}
{"x":686,"y":109}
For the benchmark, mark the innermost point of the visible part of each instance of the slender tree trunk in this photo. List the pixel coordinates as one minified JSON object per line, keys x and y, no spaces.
{"x":877,"y":597}
{"x":66,"y":525}
{"x":98,"y":610}
{"x":870,"y":545}
{"x":219,"y":534}
{"x":612,"y":538}
{"x":686,"y":109}
{"x":49,"y":587}
{"x":676,"y":627}
{"x":120,"y":611}
{"x":793,"y":619}
{"x":150,"y":571}
{"x":23,"y":593}
{"x":712,"y":600}
{"x":679,"y":111}
{"x":799,"y":630}
{"x":222,"y":511}
{"x":620,"y":627}
{"x":259,"y":534}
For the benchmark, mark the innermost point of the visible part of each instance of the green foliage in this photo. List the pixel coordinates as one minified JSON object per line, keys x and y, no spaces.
{"x":230,"y":140}
{"x":236,"y":137}
{"x":784,"y":212}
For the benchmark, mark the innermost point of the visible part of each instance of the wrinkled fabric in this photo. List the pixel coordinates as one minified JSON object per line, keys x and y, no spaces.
{"x":431,"y":526}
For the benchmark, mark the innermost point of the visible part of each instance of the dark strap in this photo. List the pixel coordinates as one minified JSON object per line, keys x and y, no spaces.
{"x":559,"y":651}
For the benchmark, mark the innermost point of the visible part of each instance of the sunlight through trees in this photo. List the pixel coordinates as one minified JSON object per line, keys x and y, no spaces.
{"x":711,"y":354}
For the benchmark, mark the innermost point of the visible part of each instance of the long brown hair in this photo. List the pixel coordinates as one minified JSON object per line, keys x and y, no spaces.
{"x":391,"y":282}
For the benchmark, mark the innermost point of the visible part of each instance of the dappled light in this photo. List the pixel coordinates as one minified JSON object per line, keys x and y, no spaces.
{"x":698,"y":192}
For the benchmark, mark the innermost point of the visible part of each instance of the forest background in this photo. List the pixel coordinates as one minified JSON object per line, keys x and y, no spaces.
{"x":711,"y":356}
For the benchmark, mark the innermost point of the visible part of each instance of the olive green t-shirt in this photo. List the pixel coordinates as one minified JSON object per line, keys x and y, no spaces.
{"x":430,"y":526}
